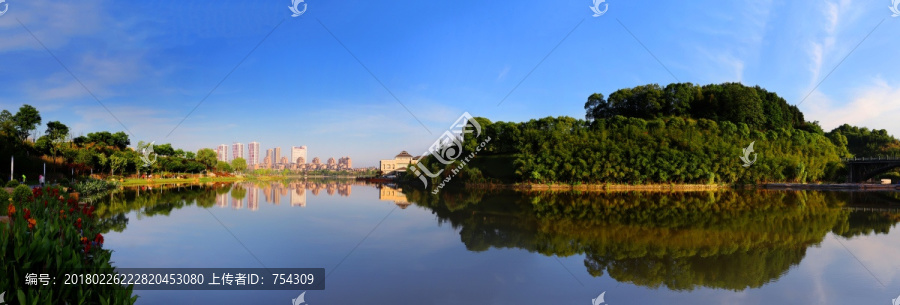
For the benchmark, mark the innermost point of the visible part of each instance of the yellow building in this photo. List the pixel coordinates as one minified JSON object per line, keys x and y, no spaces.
{"x":399,"y":163}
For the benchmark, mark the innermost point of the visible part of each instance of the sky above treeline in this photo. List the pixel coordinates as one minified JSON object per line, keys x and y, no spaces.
{"x":367,"y":79}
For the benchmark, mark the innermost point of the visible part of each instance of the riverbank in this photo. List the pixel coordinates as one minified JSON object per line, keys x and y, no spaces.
{"x":598,"y":187}
{"x":831,"y":186}
{"x":678,"y":187}
{"x":155,"y":181}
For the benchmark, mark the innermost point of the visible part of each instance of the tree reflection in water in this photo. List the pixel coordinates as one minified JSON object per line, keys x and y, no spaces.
{"x":681,"y":240}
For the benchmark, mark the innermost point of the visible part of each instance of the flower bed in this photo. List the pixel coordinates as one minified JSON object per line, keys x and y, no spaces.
{"x":51,"y":233}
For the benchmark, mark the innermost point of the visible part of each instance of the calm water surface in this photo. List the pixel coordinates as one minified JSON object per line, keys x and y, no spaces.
{"x":478,"y":247}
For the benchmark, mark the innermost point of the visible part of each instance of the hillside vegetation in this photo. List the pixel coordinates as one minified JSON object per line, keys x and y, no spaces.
{"x":680,"y":133}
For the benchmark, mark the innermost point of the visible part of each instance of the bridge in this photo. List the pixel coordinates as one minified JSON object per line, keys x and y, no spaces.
{"x":861,"y":169}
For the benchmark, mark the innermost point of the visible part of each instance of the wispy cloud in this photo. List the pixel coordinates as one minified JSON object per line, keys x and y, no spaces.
{"x":875,"y":106}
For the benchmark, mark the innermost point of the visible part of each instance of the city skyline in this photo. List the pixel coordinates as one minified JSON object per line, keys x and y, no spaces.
{"x":349,"y":84}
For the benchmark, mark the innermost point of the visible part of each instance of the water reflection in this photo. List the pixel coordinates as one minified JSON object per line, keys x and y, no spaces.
{"x":148,"y":201}
{"x":682,"y":241}
{"x":731,"y":240}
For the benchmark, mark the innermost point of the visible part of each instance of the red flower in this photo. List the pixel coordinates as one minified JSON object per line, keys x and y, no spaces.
{"x":71,"y":210}
{"x":87,"y":248}
{"x":99,"y":239}
{"x":31,"y":223}
{"x":27,"y":213}
{"x":78,"y":223}
{"x":10,"y":210}
{"x":83,"y":240}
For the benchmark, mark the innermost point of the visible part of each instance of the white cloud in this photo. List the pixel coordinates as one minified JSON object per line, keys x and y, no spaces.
{"x":875,"y":106}
{"x":835,"y":13}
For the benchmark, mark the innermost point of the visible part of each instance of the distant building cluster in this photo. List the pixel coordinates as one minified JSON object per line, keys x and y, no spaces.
{"x":273,"y":159}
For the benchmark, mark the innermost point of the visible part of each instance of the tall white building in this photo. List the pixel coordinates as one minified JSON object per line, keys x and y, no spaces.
{"x":253,"y":153}
{"x":222,"y":152}
{"x":298,"y":152}
{"x":237,"y":150}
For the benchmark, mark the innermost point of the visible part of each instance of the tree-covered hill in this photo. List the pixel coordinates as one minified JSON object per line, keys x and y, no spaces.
{"x":680,"y":133}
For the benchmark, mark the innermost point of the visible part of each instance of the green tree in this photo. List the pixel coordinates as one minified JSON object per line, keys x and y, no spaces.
{"x":223,"y":166}
{"x":26,"y":120}
{"x":239,"y":164}
{"x":117,"y":162}
{"x":57,"y":131}
{"x":164,"y":149}
{"x":207,"y":157}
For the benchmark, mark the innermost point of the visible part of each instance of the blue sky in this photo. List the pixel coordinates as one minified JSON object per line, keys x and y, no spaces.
{"x":151,"y":62}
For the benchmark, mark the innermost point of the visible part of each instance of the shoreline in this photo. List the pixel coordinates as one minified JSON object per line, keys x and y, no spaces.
{"x":680,"y":187}
{"x":143,"y":182}
{"x":831,"y":186}
{"x":599,"y":187}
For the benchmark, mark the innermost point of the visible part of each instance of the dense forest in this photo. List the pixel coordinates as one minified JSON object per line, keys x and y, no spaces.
{"x":680,"y":133}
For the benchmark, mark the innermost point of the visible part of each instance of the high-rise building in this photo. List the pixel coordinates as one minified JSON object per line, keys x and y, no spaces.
{"x":222,"y":152}
{"x":270,"y":159}
{"x":277,"y":157}
{"x":253,"y":153}
{"x":237,"y":150}
{"x":298,"y":152}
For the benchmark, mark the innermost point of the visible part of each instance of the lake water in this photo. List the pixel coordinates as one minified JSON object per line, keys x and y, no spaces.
{"x":381,"y":246}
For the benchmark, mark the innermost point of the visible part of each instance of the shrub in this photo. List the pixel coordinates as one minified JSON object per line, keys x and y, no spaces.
{"x":4,"y":201}
{"x":21,"y":194}
{"x":12,"y":183}
{"x":93,"y":186}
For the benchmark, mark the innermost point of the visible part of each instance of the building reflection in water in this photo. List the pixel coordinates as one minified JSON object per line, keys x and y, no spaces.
{"x":394,"y":194}
{"x":274,"y":192}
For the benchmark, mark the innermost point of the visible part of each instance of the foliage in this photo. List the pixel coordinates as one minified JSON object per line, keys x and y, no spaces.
{"x":57,"y":130}
{"x":207,"y":157}
{"x":4,"y":201}
{"x":864,"y":143}
{"x":223,"y":166}
{"x":12,"y":183}
{"x":50,"y":234}
{"x":91,"y":187}
{"x":21,"y":193}
{"x":118,"y":140}
{"x":633,"y":150}
{"x":26,"y":120}
{"x":239,"y":164}
{"x":734,"y":102}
